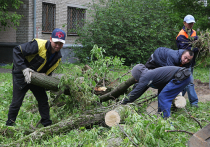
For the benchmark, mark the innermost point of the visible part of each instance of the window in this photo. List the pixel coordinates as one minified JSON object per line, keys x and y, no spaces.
{"x":75,"y":20}
{"x":48,"y":17}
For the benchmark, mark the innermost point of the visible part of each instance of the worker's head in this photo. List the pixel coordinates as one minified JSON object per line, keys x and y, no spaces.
{"x":189,"y":21}
{"x":137,"y":71}
{"x":57,"y":40}
{"x":187,"y":56}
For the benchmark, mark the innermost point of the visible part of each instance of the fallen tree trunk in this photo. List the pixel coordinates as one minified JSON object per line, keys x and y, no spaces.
{"x":61,"y":127}
{"x":52,"y":83}
{"x":118,"y":91}
{"x":69,"y":124}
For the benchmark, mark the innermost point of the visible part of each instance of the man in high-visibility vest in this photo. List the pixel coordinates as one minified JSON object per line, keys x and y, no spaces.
{"x":41,"y":56}
{"x":183,"y":41}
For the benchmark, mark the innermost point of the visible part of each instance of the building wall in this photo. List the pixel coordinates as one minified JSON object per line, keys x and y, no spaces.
{"x":8,"y":35}
{"x":25,"y":31}
{"x":61,"y":16}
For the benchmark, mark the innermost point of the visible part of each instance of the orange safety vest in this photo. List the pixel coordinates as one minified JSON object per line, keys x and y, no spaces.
{"x":182,"y":32}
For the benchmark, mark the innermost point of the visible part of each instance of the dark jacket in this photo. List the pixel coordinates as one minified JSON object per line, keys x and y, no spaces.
{"x":156,"y":78}
{"x":183,"y":41}
{"x":168,"y":57}
{"x":34,"y":55}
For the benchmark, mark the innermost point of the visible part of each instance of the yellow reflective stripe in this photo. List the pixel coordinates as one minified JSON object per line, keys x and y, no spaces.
{"x":40,"y":67}
{"x":53,"y":67}
{"x":42,"y":51}
{"x":21,"y":49}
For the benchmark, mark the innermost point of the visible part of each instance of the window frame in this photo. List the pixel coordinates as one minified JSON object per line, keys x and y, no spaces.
{"x":47,"y":21}
{"x":83,"y":18}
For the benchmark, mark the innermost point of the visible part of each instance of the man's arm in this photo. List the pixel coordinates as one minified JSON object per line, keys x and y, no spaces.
{"x":137,"y":91}
{"x":23,"y":50}
{"x":171,"y":60}
{"x":184,"y":43}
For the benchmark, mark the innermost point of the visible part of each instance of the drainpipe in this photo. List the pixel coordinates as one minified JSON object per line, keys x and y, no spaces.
{"x":34,"y":19}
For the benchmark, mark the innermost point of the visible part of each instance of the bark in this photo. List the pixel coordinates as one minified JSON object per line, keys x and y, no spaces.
{"x":118,"y":91}
{"x":59,"y":128}
{"x":45,"y":81}
{"x":52,"y":83}
{"x":69,"y":124}
{"x":48,"y":82}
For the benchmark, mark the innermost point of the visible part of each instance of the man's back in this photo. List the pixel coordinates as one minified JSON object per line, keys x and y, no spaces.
{"x":167,"y":57}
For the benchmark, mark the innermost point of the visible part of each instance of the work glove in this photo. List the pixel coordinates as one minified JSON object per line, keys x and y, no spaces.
{"x":26,"y":73}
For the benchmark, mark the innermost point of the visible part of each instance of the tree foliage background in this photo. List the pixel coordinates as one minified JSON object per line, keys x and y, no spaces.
{"x":133,"y":29}
{"x":7,"y":18}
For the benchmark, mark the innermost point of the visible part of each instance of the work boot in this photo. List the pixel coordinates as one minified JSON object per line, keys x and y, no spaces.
{"x":195,"y":105}
{"x":10,"y":123}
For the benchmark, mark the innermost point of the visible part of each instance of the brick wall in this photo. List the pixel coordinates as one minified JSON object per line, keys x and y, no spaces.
{"x":8,"y":35}
{"x":23,"y":28}
{"x":61,"y":15}
{"x":25,"y":31}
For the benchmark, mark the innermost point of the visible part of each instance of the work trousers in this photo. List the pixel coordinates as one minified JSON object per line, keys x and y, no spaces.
{"x":41,"y":97}
{"x":190,"y":89}
{"x":168,"y":93}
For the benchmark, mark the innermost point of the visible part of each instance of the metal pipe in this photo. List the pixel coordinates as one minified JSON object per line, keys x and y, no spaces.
{"x":34,"y":27}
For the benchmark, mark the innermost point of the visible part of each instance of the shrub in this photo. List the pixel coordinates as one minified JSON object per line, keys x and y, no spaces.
{"x":129,"y":29}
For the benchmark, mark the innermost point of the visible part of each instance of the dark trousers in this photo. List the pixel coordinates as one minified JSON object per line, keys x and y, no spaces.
{"x":41,"y":97}
{"x":168,"y":93}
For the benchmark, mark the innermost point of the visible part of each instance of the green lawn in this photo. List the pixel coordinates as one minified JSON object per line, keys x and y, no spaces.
{"x":141,"y":129}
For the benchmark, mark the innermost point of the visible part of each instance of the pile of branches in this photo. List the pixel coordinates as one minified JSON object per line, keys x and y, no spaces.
{"x":203,"y":44}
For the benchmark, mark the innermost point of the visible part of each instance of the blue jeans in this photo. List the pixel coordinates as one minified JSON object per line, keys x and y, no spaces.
{"x":168,"y":93}
{"x":193,"y":98}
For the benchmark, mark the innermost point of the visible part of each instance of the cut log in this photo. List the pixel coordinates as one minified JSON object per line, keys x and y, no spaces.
{"x":48,"y":82}
{"x":44,"y":81}
{"x":117,"y":115}
{"x":118,"y":91}
{"x":179,"y":102}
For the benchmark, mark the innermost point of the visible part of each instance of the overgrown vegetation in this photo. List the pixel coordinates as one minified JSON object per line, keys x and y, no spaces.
{"x":133,"y":29}
{"x":126,"y":31}
{"x":7,"y":18}
{"x":140,"y":128}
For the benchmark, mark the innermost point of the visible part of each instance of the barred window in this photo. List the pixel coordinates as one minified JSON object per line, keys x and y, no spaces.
{"x":48,"y":17}
{"x":75,"y":19}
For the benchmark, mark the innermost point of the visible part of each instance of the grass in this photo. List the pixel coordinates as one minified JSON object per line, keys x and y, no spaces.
{"x":7,"y":66}
{"x":141,"y":129}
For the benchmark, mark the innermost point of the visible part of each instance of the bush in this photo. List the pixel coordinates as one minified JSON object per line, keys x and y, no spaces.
{"x":179,"y":9}
{"x":129,"y":29}
{"x":133,"y":29}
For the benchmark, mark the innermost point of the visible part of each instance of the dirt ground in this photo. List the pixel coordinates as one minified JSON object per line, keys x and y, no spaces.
{"x":2,"y":70}
{"x":202,"y":89}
